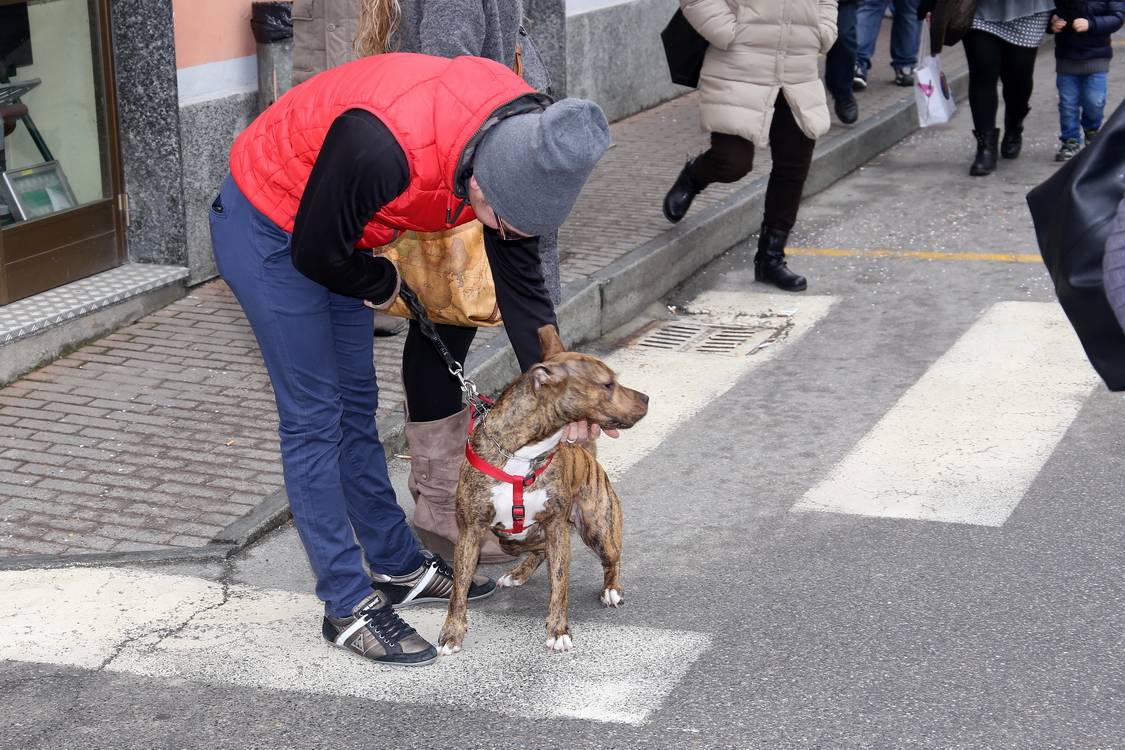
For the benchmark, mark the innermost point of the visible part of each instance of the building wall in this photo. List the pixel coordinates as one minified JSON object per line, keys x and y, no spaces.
{"x":217,"y":97}
{"x":614,"y":55}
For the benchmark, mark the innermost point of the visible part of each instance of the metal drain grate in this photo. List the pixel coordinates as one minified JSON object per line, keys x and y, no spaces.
{"x":709,"y":339}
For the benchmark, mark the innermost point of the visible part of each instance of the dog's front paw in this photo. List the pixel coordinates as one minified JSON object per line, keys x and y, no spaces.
{"x":449,"y":642}
{"x":508,"y":581}
{"x":560,"y":643}
{"x":613,"y":597}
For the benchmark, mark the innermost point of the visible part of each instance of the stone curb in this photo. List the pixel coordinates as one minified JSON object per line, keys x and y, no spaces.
{"x":590,"y":308}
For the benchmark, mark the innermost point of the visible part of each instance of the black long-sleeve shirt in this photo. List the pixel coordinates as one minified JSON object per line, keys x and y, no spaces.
{"x":361,"y":168}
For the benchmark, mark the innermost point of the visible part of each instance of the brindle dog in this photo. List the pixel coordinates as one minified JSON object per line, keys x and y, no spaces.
{"x":520,"y":433}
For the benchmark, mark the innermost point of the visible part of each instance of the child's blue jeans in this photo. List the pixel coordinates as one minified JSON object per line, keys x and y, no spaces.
{"x":1081,"y":103}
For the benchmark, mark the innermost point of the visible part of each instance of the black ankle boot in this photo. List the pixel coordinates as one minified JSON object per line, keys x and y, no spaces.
{"x":683,"y":192}
{"x":985,"y":162}
{"x":769,"y":262}
{"x":1012,"y":141}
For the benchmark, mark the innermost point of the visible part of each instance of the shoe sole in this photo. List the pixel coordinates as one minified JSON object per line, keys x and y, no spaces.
{"x":428,"y":660}
{"x":420,"y":663}
{"x":444,"y":599}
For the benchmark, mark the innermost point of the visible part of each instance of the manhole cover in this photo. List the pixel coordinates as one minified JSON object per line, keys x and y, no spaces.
{"x":669,"y":335}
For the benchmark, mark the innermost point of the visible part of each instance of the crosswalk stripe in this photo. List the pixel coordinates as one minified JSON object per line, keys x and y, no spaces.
{"x":965,"y":442}
{"x":188,"y":628}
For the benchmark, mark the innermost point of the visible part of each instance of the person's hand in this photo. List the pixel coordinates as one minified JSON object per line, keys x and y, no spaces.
{"x":1081,"y":25}
{"x":1057,"y":24}
{"x":384,"y":306}
{"x":580,"y":432}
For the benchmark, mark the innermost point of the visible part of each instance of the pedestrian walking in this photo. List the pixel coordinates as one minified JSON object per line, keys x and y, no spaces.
{"x":760,"y":86}
{"x":1083,"y":49}
{"x":839,"y":64}
{"x":1000,"y":48}
{"x":905,"y":29}
{"x":334,"y":168}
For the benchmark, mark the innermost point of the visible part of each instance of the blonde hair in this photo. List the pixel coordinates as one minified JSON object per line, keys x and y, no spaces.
{"x":378,"y":27}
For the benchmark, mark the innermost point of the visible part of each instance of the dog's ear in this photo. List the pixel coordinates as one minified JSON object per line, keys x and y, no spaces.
{"x":547,"y":374}
{"x":549,"y":342}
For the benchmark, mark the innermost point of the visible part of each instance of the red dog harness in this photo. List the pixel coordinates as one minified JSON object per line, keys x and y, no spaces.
{"x":518,"y":483}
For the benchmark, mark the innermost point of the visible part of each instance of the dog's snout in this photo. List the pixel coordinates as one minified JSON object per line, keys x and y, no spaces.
{"x":644,"y":397}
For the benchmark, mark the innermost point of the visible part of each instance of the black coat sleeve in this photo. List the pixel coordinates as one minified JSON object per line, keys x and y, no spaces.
{"x":360,"y":168}
{"x":521,"y":293}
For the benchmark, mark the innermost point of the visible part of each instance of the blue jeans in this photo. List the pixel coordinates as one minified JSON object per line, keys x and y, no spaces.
{"x":839,"y":63}
{"x":905,"y":28}
{"x":317,"y":346}
{"x":1086,"y":93}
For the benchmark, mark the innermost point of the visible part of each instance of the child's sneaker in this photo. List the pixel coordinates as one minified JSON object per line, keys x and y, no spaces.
{"x":432,"y":582}
{"x":1089,"y":134}
{"x":1069,"y":149}
{"x":375,"y":631}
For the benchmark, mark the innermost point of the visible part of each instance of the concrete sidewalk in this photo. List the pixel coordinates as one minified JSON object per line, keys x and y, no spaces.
{"x":159,"y":442}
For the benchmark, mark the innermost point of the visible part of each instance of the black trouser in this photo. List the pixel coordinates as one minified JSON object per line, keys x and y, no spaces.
{"x":731,"y":158}
{"x":431,"y":392}
{"x":993,"y":60}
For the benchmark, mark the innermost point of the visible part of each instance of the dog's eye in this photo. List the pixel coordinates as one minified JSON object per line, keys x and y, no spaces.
{"x":608,"y":386}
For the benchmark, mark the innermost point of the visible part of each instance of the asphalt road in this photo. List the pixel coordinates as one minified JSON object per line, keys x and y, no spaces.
{"x":897,"y":525}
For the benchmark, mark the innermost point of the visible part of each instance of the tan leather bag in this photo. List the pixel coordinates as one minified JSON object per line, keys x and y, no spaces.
{"x":450,"y":272}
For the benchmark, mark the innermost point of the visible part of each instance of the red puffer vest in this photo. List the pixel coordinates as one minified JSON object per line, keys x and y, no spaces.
{"x":433,"y":106}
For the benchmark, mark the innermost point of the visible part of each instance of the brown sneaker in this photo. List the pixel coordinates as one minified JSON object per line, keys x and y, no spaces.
{"x":375,"y":631}
{"x":432,"y":582}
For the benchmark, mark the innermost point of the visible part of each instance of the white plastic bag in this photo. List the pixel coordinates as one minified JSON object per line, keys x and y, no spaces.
{"x":931,"y":90}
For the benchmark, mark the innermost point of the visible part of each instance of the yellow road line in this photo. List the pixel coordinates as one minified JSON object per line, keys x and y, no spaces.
{"x":1017,"y":257}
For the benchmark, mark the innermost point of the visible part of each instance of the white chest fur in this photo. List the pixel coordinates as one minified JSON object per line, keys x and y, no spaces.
{"x":534,"y":500}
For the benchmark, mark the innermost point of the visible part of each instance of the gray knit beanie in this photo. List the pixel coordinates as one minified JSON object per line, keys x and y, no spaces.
{"x":531,"y":167}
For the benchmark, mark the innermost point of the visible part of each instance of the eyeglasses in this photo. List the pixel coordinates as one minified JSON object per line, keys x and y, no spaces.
{"x":505,"y":231}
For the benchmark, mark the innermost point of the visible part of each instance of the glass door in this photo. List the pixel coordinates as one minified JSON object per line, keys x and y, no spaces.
{"x":60,"y":170}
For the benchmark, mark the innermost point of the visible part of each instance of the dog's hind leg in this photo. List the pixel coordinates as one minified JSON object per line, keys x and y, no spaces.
{"x":601,"y":531}
{"x":520,"y":574}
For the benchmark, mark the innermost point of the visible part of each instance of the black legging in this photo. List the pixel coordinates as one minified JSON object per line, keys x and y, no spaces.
{"x":731,"y":158}
{"x":993,"y":60}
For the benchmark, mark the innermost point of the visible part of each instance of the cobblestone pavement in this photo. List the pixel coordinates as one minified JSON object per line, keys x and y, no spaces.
{"x":162,"y":434}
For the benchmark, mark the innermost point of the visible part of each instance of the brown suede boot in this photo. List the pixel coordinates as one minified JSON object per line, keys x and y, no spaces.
{"x":437,"y":449}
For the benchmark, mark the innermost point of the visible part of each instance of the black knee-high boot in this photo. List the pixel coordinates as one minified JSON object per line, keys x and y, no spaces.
{"x":769,"y":262}
{"x":683,"y":192}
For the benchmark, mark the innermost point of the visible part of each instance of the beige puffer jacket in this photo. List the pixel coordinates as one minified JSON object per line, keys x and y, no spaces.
{"x":758,"y":48}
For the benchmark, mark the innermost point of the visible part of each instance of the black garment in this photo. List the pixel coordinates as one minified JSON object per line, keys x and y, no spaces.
{"x":992,"y":60}
{"x":731,"y":158}
{"x":359,"y":169}
{"x":432,"y":393}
